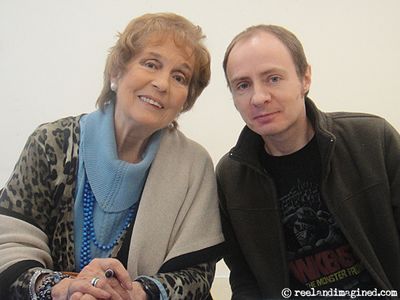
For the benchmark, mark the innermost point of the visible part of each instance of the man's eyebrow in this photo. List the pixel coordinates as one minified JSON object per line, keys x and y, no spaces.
{"x":266,"y":72}
{"x":237,"y":79}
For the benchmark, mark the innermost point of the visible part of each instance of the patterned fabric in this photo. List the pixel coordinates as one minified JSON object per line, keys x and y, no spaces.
{"x":42,"y":186}
{"x":40,"y":191}
{"x":188,"y":283}
{"x":191,"y":283}
{"x":19,"y":290}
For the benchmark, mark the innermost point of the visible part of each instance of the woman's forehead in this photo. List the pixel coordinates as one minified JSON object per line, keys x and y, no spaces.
{"x":181,"y":43}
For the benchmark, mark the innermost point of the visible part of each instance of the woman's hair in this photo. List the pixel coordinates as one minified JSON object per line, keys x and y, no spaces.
{"x":134,"y":39}
{"x":285,"y":36}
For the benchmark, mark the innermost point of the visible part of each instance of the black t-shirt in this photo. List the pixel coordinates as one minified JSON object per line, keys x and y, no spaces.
{"x":318,"y":254}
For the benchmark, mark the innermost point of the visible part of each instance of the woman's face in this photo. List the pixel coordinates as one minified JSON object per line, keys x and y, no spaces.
{"x":154,"y":87}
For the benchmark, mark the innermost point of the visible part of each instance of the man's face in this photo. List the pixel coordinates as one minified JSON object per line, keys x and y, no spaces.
{"x":266,"y":89}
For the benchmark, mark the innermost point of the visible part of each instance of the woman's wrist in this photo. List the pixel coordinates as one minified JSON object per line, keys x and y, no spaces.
{"x":35,"y":280}
{"x":50,"y":280}
{"x":149,"y":287}
{"x":42,"y":281}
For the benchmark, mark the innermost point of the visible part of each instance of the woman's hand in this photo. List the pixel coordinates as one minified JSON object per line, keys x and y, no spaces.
{"x":137,"y":293}
{"x":77,"y":288}
{"x":84,"y":286}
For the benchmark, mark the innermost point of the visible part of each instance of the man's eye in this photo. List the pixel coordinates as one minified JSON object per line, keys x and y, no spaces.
{"x":275,"y":79}
{"x":242,"y":86}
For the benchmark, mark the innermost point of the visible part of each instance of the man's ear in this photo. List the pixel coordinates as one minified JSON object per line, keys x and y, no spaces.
{"x":307,"y":80}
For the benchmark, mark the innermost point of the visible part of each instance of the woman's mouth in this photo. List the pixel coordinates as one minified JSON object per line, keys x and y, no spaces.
{"x":150,"y":101}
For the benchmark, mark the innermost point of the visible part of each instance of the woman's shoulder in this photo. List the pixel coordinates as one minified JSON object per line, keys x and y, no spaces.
{"x":185,"y":144}
{"x":58,"y":132}
{"x":63,"y":123}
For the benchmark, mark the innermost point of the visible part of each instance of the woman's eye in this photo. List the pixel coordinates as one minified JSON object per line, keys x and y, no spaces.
{"x":180,"y":79}
{"x":150,"y":64}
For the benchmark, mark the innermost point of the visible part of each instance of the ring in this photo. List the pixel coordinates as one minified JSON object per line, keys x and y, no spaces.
{"x":94,"y":281}
{"x":109,"y":273}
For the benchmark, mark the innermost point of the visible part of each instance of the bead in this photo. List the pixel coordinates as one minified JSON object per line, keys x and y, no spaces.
{"x":89,"y":234}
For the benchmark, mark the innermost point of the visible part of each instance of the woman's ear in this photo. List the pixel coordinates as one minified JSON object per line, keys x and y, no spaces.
{"x":113,"y":85}
{"x":114,"y":82}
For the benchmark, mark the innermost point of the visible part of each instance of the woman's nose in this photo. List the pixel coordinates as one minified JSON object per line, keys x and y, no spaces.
{"x":161,"y":82}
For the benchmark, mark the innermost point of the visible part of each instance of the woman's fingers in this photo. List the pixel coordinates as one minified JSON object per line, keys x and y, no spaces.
{"x":113,"y":286}
{"x":80,"y":296}
{"x":67,"y":288}
{"x":102,"y":278}
{"x":99,"y":267}
{"x":120,"y":273}
{"x":75,"y":296}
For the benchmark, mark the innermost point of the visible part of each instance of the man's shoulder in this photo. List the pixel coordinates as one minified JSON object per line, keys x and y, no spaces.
{"x":356,"y":126}
{"x":358,"y":117}
{"x":226,"y":165}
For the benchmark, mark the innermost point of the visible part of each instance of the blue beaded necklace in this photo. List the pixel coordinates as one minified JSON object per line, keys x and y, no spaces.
{"x":89,"y":234}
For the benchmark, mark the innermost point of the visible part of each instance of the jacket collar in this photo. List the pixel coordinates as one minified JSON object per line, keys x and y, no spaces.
{"x":247,"y":148}
{"x":322,"y":124}
{"x":249,"y":144}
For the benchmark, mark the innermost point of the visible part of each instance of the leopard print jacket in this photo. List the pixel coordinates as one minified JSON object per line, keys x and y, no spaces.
{"x":41,"y":190}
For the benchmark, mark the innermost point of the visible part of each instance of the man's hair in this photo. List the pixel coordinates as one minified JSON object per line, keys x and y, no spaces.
{"x":285,"y":36}
{"x":185,"y":34}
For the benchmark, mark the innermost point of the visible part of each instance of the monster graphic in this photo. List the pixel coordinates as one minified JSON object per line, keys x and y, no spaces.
{"x":306,"y":219}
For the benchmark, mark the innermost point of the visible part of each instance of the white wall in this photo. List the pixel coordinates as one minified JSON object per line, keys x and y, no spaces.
{"x":52,"y":55}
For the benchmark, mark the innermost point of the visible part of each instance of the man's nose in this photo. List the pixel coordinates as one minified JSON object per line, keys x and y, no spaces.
{"x":260,"y":95}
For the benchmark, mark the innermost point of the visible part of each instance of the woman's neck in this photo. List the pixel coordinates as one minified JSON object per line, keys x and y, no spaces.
{"x":131,"y":142}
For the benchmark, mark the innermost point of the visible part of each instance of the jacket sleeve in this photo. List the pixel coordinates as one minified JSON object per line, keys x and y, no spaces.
{"x":243,"y":284}
{"x":24,"y":213}
{"x":392,"y":160}
{"x":188,"y":283}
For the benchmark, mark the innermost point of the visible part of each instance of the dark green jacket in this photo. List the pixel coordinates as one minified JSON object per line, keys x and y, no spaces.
{"x":360,"y":184}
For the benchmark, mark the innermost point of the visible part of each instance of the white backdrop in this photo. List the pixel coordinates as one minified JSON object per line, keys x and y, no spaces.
{"x":52,"y":55}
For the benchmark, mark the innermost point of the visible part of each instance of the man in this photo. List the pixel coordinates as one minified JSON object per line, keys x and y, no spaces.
{"x":309,"y":199}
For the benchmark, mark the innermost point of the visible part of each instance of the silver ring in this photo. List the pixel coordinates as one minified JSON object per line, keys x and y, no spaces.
{"x":109,"y":273}
{"x":94,"y":281}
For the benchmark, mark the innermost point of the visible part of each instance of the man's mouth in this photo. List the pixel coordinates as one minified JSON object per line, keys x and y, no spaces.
{"x":264,"y":115}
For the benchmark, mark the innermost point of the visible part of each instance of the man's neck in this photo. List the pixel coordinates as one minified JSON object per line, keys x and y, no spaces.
{"x":290,"y":143}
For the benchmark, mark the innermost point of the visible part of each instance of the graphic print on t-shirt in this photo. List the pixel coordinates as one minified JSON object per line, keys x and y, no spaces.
{"x":310,"y":225}
{"x":318,"y":253}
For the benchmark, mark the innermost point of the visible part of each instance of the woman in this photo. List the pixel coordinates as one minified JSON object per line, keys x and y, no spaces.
{"x":119,"y":197}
